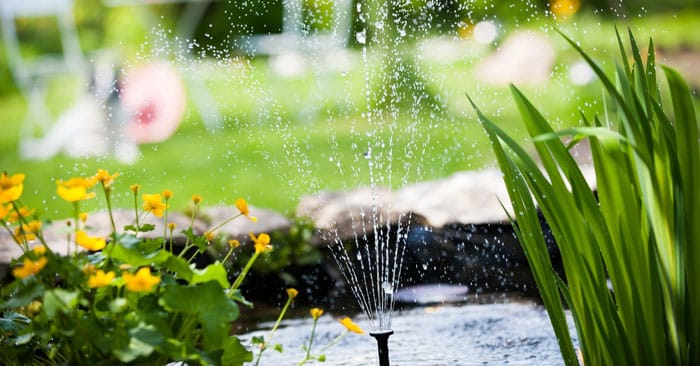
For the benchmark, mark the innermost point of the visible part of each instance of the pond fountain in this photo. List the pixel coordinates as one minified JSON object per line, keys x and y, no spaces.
{"x":404,"y":122}
{"x":411,"y":129}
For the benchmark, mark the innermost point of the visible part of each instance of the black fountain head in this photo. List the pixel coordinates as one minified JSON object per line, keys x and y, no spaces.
{"x":382,"y":338}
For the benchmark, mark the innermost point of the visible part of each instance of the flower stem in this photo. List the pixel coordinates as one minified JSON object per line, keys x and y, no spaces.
{"x":165,"y":224}
{"x":76,"y":220}
{"x":228,"y":255}
{"x":217,"y":227}
{"x":136,"y":212}
{"x":244,"y":272}
{"x":274,"y":328}
{"x":109,"y":207}
{"x":308,"y":348}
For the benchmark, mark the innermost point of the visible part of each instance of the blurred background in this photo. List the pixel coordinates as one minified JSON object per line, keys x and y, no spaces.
{"x":273,"y":100}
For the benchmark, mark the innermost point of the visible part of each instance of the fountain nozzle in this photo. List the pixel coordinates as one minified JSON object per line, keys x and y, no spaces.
{"x":382,"y":338}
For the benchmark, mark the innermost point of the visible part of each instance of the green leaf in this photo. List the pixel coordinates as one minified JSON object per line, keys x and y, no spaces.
{"x":179,"y":267}
{"x":234,"y":353}
{"x":131,"y":228}
{"x":23,"y":339}
{"x":213,"y":272}
{"x":209,"y":303}
{"x":140,"y":254}
{"x":22,"y":294}
{"x":278,"y":347}
{"x":118,"y":305}
{"x":133,"y":350}
{"x":146,"y":228}
{"x":147,"y":334}
{"x":238,"y":297}
{"x":59,"y":301}
{"x":12,"y":323}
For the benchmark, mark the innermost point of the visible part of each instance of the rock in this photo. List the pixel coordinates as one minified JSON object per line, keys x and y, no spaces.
{"x":523,"y":58}
{"x":469,"y":197}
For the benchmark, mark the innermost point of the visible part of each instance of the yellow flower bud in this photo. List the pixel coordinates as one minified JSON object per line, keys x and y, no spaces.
{"x":316,"y":313}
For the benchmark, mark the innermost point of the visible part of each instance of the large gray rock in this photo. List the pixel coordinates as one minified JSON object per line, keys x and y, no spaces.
{"x":469,"y":197}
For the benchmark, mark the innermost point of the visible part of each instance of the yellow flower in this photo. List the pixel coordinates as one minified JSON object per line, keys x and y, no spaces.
{"x":196,"y":199}
{"x":75,"y":189}
{"x":28,"y":232}
{"x":242,"y":206}
{"x":105,"y":178}
{"x":316,"y":313}
{"x":152,"y":203}
{"x":40,"y":250}
{"x":11,"y":187}
{"x":209,"y":236}
{"x":564,"y":9}
{"x":29,"y":267}
{"x":4,"y":211}
{"x":83,"y":216}
{"x":171,"y":226}
{"x":135,"y":188}
{"x":100,"y":279}
{"x":89,"y":242}
{"x":89,"y":268}
{"x":233,"y":243}
{"x":167,"y":194}
{"x":348,"y":323}
{"x":261,"y":242}
{"x":142,"y":281}
{"x":292,"y":293}
{"x":23,"y":212}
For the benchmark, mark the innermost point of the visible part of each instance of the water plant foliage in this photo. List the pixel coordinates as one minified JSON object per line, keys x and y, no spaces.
{"x":630,"y":247}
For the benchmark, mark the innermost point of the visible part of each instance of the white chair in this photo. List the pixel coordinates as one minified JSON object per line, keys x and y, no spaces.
{"x":33,"y":73}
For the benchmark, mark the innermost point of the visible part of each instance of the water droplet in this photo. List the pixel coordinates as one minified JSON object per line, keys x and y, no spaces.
{"x":388,"y":288}
{"x":361,"y":37}
{"x":379,"y":25}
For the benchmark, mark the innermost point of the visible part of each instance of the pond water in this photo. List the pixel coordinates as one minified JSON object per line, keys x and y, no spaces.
{"x":517,"y":333}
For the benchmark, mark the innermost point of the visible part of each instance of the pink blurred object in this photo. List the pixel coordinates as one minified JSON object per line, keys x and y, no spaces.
{"x":153,"y":95}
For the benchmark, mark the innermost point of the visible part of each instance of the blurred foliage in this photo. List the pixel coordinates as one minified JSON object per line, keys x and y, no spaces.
{"x":317,"y":15}
{"x":291,"y":249}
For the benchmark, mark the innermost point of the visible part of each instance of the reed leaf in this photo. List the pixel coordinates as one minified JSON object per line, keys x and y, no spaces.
{"x":629,"y":248}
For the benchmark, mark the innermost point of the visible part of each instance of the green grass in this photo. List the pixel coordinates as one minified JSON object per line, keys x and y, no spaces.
{"x":285,"y":137}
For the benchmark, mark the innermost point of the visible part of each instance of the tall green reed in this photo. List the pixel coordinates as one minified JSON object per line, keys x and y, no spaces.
{"x":630,"y":248}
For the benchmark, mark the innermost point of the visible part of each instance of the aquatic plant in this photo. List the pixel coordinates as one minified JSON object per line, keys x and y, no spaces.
{"x":629,"y":248}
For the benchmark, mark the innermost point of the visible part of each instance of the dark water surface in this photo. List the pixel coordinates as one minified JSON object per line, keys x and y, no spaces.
{"x":495,"y":334}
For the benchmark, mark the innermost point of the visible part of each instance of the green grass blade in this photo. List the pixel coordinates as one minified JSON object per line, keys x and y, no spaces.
{"x":530,"y":233}
{"x":687,"y":206}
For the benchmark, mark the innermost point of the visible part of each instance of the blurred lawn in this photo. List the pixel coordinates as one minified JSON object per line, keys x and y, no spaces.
{"x":285,"y":137}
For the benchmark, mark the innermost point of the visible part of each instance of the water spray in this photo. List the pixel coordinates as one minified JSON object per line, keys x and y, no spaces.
{"x":382,"y":338}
